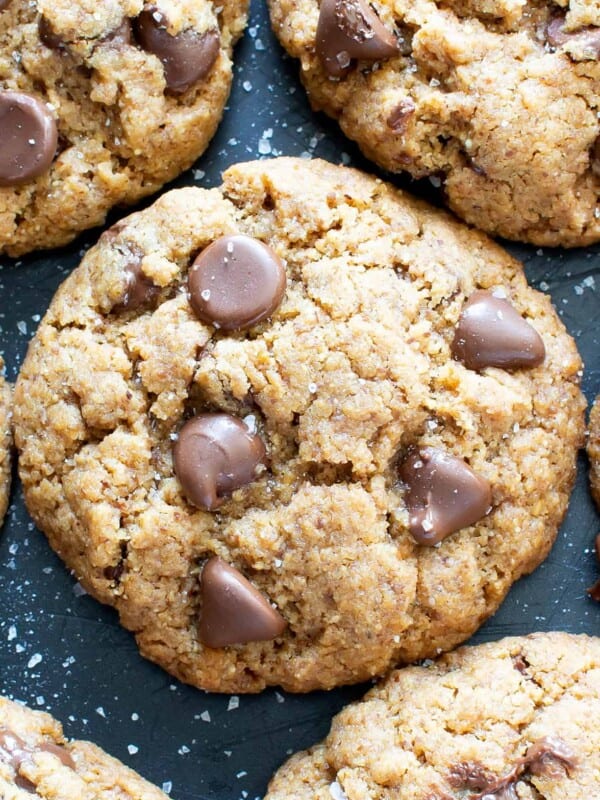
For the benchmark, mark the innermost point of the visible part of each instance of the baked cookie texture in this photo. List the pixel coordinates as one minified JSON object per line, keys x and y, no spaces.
{"x":593,"y":449}
{"x":6,"y":441}
{"x":496,"y":100}
{"x":36,"y":759}
{"x":500,"y":721}
{"x":349,"y":375}
{"x":134,"y":91}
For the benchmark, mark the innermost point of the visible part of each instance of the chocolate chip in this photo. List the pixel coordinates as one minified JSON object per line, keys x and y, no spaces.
{"x":491,"y":333}
{"x":399,"y":118}
{"x":187,"y":57}
{"x":443,"y":494}
{"x":236,"y":282}
{"x":214,"y":455}
{"x":47,"y":35}
{"x":14,"y":751}
{"x":549,"y":756}
{"x":349,"y":29}
{"x":28,"y":138}
{"x":233,"y":611}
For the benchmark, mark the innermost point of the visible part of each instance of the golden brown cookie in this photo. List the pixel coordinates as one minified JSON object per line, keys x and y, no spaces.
{"x":6,"y":442}
{"x":37,"y":760}
{"x":103,"y":103}
{"x":511,"y":720}
{"x":495,"y":100}
{"x":593,"y":449}
{"x":263,"y":442}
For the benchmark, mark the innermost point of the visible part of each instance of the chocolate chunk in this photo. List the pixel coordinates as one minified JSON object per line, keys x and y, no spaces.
{"x":549,"y":756}
{"x":186,"y":58}
{"x":399,"y":118}
{"x":491,"y":333}
{"x":47,"y":35}
{"x":28,"y":138}
{"x":233,"y":611}
{"x":349,"y":29}
{"x":236,"y":282}
{"x":14,"y":751}
{"x":585,"y":41}
{"x":139,"y":290}
{"x":443,"y":494}
{"x":214,"y":455}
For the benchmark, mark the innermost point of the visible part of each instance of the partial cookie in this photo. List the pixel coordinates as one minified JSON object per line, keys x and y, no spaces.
{"x":6,"y":442}
{"x":264,"y":406}
{"x":103,"y":103}
{"x":35,"y":759}
{"x":512,"y":720}
{"x":496,"y":100}
{"x":593,"y":449}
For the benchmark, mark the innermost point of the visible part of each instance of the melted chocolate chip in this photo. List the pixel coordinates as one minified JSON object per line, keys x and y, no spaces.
{"x":443,"y":494}
{"x":587,"y":40}
{"x":469,"y":775}
{"x":491,"y":333}
{"x":28,"y":138}
{"x":233,"y":611}
{"x":350,"y":29}
{"x":187,"y":58}
{"x":214,"y":455}
{"x":47,"y":35}
{"x":139,"y":290}
{"x":399,"y":118}
{"x":236,"y":282}
{"x":549,"y":756}
{"x":14,"y":751}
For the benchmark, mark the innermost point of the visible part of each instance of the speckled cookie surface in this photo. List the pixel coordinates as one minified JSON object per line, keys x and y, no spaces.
{"x":5,"y":442}
{"x":36,"y":760}
{"x":510,"y":720}
{"x":123,"y":122}
{"x":496,"y":100}
{"x":594,"y":449}
{"x":349,"y":375}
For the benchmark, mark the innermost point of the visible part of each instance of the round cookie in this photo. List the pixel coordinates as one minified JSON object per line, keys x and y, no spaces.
{"x":593,"y":449}
{"x":503,"y":721}
{"x":103,"y":103}
{"x":35,"y":759}
{"x":496,"y":101}
{"x":5,"y":441}
{"x":260,"y":500}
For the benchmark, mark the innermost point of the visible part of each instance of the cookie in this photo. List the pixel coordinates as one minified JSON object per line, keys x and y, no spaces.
{"x":497,"y":101}
{"x":298,"y":428}
{"x":5,"y":441}
{"x":36,"y":759}
{"x":593,"y":449}
{"x":507,"y":720}
{"x":101,"y":104}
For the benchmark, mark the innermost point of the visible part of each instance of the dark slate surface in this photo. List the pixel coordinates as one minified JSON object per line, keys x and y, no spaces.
{"x":62,"y":651}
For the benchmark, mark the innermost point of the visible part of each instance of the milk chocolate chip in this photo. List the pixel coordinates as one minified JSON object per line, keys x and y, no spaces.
{"x":236,"y":282}
{"x":233,"y":611}
{"x":139,"y":290}
{"x":442,"y":495}
{"x":187,"y":57}
{"x":28,"y":138}
{"x":585,"y":41}
{"x":214,"y":455}
{"x":14,"y":751}
{"x":349,"y":29}
{"x":491,"y":333}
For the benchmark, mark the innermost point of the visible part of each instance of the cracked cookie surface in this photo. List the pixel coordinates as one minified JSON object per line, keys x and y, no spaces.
{"x":353,"y":370}
{"x":510,"y":720}
{"x":6,"y":441}
{"x":127,"y":109}
{"x":496,"y":100}
{"x":593,"y":449}
{"x":37,"y":760}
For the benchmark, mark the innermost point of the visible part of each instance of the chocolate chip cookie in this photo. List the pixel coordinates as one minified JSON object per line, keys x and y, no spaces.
{"x":511,"y":720}
{"x":298,"y":428}
{"x":103,"y":103}
{"x":36,"y":760}
{"x":496,"y":101}
{"x":5,"y":441}
{"x":593,"y":449}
